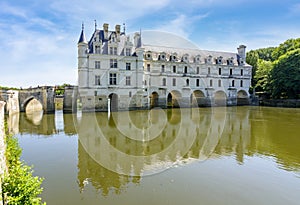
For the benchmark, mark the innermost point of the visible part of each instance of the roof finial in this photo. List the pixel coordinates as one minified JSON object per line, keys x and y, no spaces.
{"x":124,"y":28}
{"x":82,"y":26}
{"x":95,"y":24}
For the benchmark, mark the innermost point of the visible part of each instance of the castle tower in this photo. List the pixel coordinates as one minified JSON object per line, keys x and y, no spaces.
{"x":82,"y":60}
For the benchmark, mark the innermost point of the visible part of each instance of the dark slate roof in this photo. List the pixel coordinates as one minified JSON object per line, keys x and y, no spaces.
{"x":82,"y":38}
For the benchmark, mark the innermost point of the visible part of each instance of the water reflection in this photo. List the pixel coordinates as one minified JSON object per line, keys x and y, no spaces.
{"x":116,"y":150}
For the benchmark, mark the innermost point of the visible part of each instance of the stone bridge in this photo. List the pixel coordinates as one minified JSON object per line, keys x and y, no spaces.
{"x":39,"y":98}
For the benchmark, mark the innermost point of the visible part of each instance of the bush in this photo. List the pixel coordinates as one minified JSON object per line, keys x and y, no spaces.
{"x":19,"y":185}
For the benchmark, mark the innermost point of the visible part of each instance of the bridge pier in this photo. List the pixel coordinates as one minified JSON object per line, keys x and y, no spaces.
{"x":70,"y":99}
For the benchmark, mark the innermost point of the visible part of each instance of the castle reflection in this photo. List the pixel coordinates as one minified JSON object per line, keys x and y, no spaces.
{"x":120,"y":148}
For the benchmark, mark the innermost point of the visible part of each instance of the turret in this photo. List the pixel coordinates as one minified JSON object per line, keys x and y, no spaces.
{"x":82,"y":60}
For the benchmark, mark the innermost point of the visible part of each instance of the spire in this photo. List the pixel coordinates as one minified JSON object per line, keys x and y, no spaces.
{"x":82,"y":36}
{"x":95,"y":25}
{"x":124,"y":28}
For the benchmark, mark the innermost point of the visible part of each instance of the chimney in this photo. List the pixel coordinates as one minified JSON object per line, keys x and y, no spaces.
{"x":105,"y":29}
{"x":137,"y":40}
{"x":242,"y":51}
{"x":118,"y":29}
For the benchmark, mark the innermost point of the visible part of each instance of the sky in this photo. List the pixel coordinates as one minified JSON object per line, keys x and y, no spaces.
{"x":38,"y":38}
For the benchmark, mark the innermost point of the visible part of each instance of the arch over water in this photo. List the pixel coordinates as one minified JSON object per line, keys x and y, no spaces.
{"x":31,"y":104}
{"x":173,"y":99}
{"x":242,"y":98}
{"x":113,"y":97}
{"x":220,"y":98}
{"x":154,"y":100}
{"x":197,"y":98}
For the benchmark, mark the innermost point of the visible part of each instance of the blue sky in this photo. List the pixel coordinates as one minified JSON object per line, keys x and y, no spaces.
{"x":38,"y":38}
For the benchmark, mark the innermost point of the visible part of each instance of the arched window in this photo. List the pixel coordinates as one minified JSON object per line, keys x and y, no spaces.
{"x":197,"y":82}
{"x":232,"y":83}
{"x":185,"y":69}
{"x":164,"y":82}
{"x":211,"y":83}
{"x":220,"y":71}
{"x":187,"y":82}
{"x":219,"y":83}
{"x":241,"y":83}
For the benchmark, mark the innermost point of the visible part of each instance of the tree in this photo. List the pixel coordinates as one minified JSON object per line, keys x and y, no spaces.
{"x":285,"y":76}
{"x":288,"y":45}
{"x":262,"y":76}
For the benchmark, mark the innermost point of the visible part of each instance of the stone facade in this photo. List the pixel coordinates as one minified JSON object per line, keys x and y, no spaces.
{"x":118,"y":72}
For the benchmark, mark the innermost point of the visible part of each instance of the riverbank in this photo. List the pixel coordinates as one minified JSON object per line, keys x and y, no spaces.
{"x":291,"y":103}
{"x":3,"y":167}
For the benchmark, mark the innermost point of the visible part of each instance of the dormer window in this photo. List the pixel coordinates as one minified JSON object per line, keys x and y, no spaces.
{"x":185,"y":58}
{"x":208,"y":59}
{"x":173,"y":57}
{"x":162,"y":57}
{"x":230,"y":61}
{"x":148,"y":55}
{"x":219,"y":60}
{"x":197,"y":59}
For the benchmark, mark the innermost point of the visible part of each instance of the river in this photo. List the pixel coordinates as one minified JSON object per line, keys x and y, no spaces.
{"x":223,"y":155}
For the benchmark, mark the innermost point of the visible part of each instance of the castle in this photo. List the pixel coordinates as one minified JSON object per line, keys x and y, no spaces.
{"x":117,"y":71}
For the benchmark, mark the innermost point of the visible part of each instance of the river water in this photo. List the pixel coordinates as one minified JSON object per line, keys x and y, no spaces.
{"x":224,"y":155}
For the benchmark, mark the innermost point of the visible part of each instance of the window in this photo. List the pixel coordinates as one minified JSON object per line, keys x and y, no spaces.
{"x":128,"y":66}
{"x":113,"y":50}
{"x":187,"y":82}
{"x":145,"y":82}
{"x":242,"y":72}
{"x":185,"y":69}
{"x":241,"y":83}
{"x":197,"y":82}
{"x":220,"y":71}
{"x":148,"y":67}
{"x":97,"y":80}
{"x":97,"y":65}
{"x":162,"y":68}
{"x":130,"y":94}
{"x":128,"y":52}
{"x":208,"y":70}
{"x":174,"y":81}
{"x":113,"y":63}
{"x":174,"y":68}
{"x":219,"y":83}
{"x":230,"y":72}
{"x":128,"y":80}
{"x":210,"y":83}
{"x":198,"y":70}
{"x":113,"y":79}
{"x":97,"y":49}
{"x":164,"y":83}
{"x":232,"y":83}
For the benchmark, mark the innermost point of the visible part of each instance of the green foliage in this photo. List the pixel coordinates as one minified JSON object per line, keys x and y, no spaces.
{"x":8,"y":88}
{"x":262,"y":76}
{"x":285,"y":76}
{"x":60,"y":89}
{"x":19,"y":184}
{"x":276,"y":69}
{"x":285,"y":47}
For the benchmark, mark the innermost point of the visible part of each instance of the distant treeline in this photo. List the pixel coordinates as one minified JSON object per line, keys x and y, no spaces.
{"x":276,"y":70}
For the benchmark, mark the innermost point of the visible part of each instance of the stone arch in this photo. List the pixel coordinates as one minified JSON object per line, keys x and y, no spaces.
{"x":113,"y":104}
{"x":154,"y":99}
{"x":220,"y":98}
{"x":31,"y":104}
{"x":173,"y":99}
{"x":242,"y":98}
{"x":197,"y":98}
